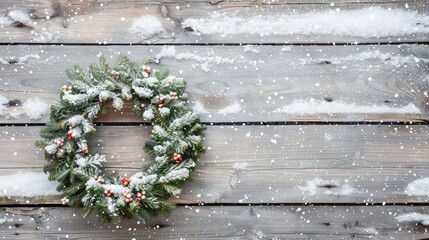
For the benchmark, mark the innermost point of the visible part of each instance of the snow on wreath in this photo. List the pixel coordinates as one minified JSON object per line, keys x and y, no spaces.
{"x":176,"y":140}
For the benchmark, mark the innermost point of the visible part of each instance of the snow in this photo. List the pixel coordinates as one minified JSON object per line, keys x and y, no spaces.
{"x":5,"y":21}
{"x":174,"y":175}
{"x":414,"y":217}
{"x":170,"y":52}
{"x":20,"y":16}
{"x":164,"y":111}
{"x":240,"y":166}
{"x":199,"y":108}
{"x":148,"y":114}
{"x":328,"y":137}
{"x":418,"y":187}
{"x":35,"y":108}
{"x":234,"y":108}
{"x":3,"y":103}
{"x":27,"y":184}
{"x":286,"y":49}
{"x":250,"y":48}
{"x":386,"y":58}
{"x":75,"y":99}
{"x":21,"y":60}
{"x":146,"y":26}
{"x":312,"y":106}
{"x":371,"y":230}
{"x":335,"y":187}
{"x":367,"y":22}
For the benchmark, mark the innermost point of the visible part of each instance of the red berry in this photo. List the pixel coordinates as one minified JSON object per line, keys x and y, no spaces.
{"x":125,"y":181}
{"x":69,"y":137}
{"x":86,"y":150}
{"x":147,"y":71}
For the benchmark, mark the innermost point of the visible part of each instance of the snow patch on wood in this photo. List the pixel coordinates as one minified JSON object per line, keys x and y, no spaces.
{"x":5,"y":21}
{"x":20,"y":16}
{"x":371,"y":230}
{"x":414,"y":217}
{"x":418,"y":187}
{"x":386,"y":58}
{"x":18,"y":60}
{"x":367,"y":22}
{"x":312,"y":106}
{"x":3,"y":103}
{"x":240,"y":166}
{"x":204,"y":61}
{"x":233,"y":108}
{"x":27,"y":184}
{"x":199,"y":108}
{"x":330,"y":187}
{"x":35,"y":108}
{"x":146,"y":26}
{"x":250,"y":48}
{"x":286,"y":49}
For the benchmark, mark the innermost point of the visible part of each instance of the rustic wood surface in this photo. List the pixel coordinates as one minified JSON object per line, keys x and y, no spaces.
{"x":259,"y":84}
{"x":289,"y":172}
{"x":378,"y":162}
{"x":108,"y":22}
{"x":220,"y":222}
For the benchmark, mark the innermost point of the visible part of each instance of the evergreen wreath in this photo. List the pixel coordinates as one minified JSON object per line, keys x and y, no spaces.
{"x":176,"y":140}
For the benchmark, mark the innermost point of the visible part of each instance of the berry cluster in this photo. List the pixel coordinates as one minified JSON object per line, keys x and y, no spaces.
{"x":108,"y":192}
{"x":100,"y":179}
{"x":177,"y":158}
{"x":85,"y":150}
{"x":127,"y":196}
{"x":64,"y":201}
{"x":146,"y":71}
{"x":115,"y":74}
{"x":125,"y":181}
{"x":59,"y":142}
{"x":141,"y":195}
{"x":67,"y":89}
{"x":161,"y":101}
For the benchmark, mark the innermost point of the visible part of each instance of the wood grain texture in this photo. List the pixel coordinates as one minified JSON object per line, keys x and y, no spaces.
{"x":264,"y":164}
{"x":256,"y":87}
{"x":91,"y":21}
{"x":220,"y":222}
{"x":340,"y":166}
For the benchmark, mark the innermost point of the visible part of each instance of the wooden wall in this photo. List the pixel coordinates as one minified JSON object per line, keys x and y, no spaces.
{"x":376,"y":153}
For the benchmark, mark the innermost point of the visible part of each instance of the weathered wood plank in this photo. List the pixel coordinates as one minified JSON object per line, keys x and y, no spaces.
{"x":265,"y":83}
{"x":265,"y":164}
{"x":220,"y":222}
{"x":109,"y":22}
{"x":326,"y":146}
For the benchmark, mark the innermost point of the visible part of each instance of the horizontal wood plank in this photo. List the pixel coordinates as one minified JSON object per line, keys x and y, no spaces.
{"x":265,"y":83}
{"x":91,"y":21}
{"x":220,"y":222}
{"x":264,"y":164}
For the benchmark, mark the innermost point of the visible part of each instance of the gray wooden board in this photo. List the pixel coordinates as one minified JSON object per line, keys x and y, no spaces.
{"x":264,"y":164}
{"x":314,"y":83}
{"x":220,"y":222}
{"x":92,"y":21}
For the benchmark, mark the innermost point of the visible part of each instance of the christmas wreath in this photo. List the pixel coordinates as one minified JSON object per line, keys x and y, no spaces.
{"x":176,"y":140}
